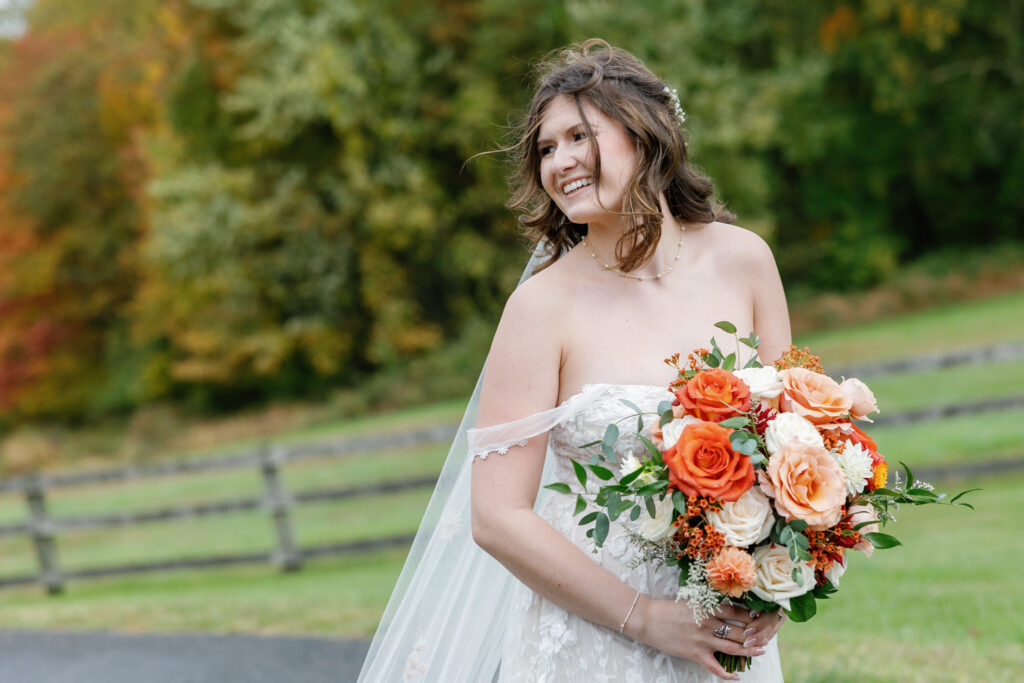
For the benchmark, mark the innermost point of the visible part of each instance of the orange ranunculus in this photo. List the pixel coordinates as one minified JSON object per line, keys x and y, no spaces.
{"x":807,"y":484}
{"x":879,"y":472}
{"x":814,"y":396}
{"x":703,"y":463}
{"x":731,"y":571}
{"x":714,"y":395}
{"x":852,"y":432}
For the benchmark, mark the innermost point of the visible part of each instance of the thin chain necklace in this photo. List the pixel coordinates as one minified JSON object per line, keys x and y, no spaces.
{"x":615,"y":269}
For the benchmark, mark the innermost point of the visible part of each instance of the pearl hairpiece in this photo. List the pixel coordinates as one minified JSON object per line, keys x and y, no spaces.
{"x":673,"y":96}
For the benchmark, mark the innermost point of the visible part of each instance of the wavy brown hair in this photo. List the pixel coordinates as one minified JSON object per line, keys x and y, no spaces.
{"x":621,"y":87}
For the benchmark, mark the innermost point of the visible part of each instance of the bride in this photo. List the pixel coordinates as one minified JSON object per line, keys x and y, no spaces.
{"x":638,"y":264}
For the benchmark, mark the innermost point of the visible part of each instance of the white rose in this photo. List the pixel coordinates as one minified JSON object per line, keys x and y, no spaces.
{"x":745,"y":521}
{"x":788,"y":426}
{"x":671,"y":432}
{"x":764,"y":383}
{"x":855,"y":462}
{"x":834,"y":572}
{"x":774,"y":571}
{"x":660,"y":526}
{"x":858,"y":515}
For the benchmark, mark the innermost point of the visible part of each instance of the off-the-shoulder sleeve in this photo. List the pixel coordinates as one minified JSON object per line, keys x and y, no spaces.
{"x":500,"y":438}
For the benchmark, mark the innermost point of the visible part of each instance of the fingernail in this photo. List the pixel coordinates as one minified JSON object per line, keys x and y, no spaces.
{"x":759,"y":653}
{"x":748,"y":631}
{"x":754,"y":614}
{"x":747,"y":642}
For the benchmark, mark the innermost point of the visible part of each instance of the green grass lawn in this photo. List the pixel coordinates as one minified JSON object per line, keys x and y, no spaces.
{"x":963,"y":325}
{"x":969,"y":438}
{"x":956,"y":385}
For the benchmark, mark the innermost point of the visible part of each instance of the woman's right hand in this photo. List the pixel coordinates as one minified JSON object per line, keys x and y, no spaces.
{"x":669,"y":626}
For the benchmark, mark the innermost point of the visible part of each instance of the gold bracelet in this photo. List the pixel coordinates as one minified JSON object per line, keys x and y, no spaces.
{"x":622,"y":626}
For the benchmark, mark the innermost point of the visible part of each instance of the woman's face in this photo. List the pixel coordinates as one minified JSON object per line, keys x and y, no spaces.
{"x":567,"y":165}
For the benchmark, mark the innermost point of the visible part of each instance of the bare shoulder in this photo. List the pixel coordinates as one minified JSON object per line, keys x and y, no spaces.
{"x":537,"y":301}
{"x":735,"y":242}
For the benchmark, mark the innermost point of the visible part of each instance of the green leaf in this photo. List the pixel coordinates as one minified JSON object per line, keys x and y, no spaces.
{"x":665,"y":405}
{"x":730,"y":362}
{"x":786,"y":537}
{"x":746,"y":342}
{"x":651,"y":510}
{"x":960,"y":495}
{"x":882,"y":541}
{"x":634,"y":514}
{"x":588,"y":518}
{"x":602,"y":473}
{"x":639,"y":423}
{"x":559,"y":488}
{"x":679,"y":502}
{"x":651,"y":448}
{"x":666,"y":417}
{"x":611,"y":435}
{"x":609,"y":452}
{"x":734,"y":422}
{"x":802,"y":608}
{"x":581,"y":505}
{"x":653,"y":488}
{"x":614,"y":506}
{"x":797,"y":525}
{"x":632,"y":476}
{"x":581,"y":473}
{"x":592,"y":443}
{"x":632,"y":406}
{"x":754,"y":362}
{"x":910,"y":475}
{"x":713,"y":361}
{"x":726,"y":326}
{"x":757,"y":459}
{"x":601,"y":529}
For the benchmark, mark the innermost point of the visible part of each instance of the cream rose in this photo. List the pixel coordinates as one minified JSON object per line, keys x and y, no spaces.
{"x":862,"y":399}
{"x":774,"y":572}
{"x":659,"y":527}
{"x":745,"y":521}
{"x":858,"y":515}
{"x":671,"y":432}
{"x":807,"y":484}
{"x":813,"y":395}
{"x":788,"y":426}
{"x":836,"y":571}
{"x":764,"y":383}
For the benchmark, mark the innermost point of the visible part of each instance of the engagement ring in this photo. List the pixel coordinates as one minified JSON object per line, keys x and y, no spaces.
{"x":722,"y":631}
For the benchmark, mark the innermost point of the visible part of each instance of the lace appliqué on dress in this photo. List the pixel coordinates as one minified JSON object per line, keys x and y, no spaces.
{"x":500,"y":449}
{"x":416,"y":666}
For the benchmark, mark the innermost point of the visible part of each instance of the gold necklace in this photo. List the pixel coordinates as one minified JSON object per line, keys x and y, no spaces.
{"x":614,"y":269}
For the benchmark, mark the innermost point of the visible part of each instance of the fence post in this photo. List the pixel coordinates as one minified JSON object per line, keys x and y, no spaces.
{"x":286,"y":556}
{"x":43,"y":532}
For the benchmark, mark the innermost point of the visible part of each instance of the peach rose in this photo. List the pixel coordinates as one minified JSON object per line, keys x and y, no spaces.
{"x":807,"y":484}
{"x":812,"y":395}
{"x":862,"y":399}
{"x":713,"y":395}
{"x":703,"y":463}
{"x":731,"y":571}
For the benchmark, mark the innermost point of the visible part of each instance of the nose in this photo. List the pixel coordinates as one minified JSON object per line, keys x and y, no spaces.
{"x":564,"y":159}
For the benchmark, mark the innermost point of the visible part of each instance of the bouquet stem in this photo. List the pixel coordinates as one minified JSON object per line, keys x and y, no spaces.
{"x":733,"y":663}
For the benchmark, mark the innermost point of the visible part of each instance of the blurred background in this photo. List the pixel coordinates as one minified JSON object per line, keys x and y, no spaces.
{"x":225,"y":223}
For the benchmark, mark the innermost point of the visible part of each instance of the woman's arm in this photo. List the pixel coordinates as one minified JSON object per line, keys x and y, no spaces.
{"x":522,"y":379}
{"x":771,"y":316}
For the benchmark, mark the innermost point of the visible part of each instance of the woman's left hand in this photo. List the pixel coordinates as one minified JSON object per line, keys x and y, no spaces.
{"x":763,"y":628}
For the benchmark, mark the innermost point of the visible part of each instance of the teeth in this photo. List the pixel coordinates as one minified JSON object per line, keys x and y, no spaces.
{"x":575,"y":185}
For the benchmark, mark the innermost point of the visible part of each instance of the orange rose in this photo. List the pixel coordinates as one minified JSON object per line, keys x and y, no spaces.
{"x":812,"y":395}
{"x":703,"y":463}
{"x":731,"y":571}
{"x":714,"y":395}
{"x":807,"y":484}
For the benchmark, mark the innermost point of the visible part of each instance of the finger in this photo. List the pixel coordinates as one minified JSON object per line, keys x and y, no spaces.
{"x":725,"y":631}
{"x":711,"y":664}
{"x":762,"y":629}
{"x":733,"y":647}
{"x":732,"y":613}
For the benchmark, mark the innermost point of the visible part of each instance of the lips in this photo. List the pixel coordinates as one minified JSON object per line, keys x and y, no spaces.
{"x":576,"y":184}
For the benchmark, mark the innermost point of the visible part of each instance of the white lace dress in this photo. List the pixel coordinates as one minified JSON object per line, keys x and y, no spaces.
{"x":546,"y":644}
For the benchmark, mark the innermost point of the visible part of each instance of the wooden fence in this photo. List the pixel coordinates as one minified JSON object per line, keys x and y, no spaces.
{"x":43,"y":529}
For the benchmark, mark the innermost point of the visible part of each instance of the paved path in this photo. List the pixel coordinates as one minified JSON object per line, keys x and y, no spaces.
{"x":47,"y":657}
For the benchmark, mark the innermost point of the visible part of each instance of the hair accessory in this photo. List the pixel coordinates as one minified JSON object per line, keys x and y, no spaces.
{"x":622,"y":626}
{"x":673,"y":96}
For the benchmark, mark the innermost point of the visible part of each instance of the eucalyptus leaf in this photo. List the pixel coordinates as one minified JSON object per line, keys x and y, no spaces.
{"x":679,"y":502}
{"x":653,"y":488}
{"x":726,"y":326}
{"x":730,"y":362}
{"x":634,"y":514}
{"x":609,"y":451}
{"x":735,"y":422}
{"x":665,"y":406}
{"x":592,"y":443}
{"x":797,"y":525}
{"x":651,"y":510}
{"x":651,"y":448}
{"x":588,"y":518}
{"x":632,"y":476}
{"x":639,"y":423}
{"x":581,"y":505}
{"x":600,"y":529}
{"x":666,"y":417}
{"x":713,"y":361}
{"x":611,"y":434}
{"x":601,"y":473}
{"x":581,"y":473}
{"x":632,"y":406}
{"x":559,"y":487}
{"x":614,"y":506}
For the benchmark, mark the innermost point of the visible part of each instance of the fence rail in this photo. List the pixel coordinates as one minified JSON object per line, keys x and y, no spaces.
{"x":286,"y":555}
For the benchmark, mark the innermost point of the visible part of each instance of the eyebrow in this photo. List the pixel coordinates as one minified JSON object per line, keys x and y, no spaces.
{"x":571,"y":129}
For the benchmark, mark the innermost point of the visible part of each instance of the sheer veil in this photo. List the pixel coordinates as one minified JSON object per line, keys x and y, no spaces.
{"x":446,"y":618}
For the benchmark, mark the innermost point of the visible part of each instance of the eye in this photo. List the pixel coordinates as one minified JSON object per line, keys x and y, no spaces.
{"x":546,"y":150}
{"x":579,"y":135}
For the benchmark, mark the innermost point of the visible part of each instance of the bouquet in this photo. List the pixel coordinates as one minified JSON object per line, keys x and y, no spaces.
{"x":756,"y":483}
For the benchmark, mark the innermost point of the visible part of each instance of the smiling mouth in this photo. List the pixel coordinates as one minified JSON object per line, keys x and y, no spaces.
{"x":576,"y":184}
